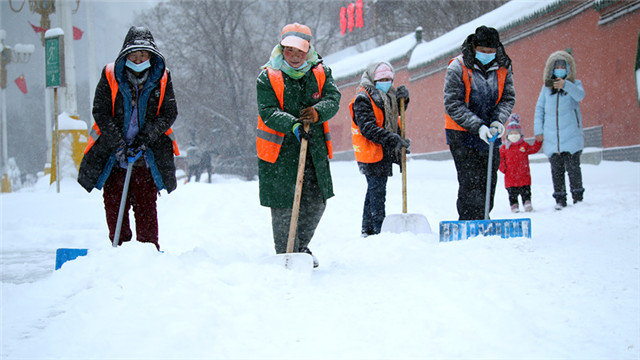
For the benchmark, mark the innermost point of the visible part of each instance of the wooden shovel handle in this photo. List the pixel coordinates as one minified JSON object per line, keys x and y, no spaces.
{"x":295,"y":211}
{"x":403,"y":163}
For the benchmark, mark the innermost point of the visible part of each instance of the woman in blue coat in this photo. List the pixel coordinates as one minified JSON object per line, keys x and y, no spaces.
{"x":558,"y":122}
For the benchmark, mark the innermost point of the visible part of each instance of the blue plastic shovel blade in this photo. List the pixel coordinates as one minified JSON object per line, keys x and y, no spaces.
{"x":465,"y":229}
{"x":63,"y":255}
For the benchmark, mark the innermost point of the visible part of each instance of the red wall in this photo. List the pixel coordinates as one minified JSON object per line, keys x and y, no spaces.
{"x":605,"y":58}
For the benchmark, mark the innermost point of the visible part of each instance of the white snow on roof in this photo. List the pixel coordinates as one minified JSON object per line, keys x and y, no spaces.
{"x":350,"y":62}
{"x":498,"y":18}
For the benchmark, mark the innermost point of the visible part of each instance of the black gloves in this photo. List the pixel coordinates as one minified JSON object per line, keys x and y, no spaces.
{"x":125,"y":151}
{"x":298,"y":131}
{"x":140,"y":143}
{"x":396,"y":148}
{"x":121,"y":152}
{"x":402,"y":92}
{"x":398,"y":143}
{"x":403,"y":143}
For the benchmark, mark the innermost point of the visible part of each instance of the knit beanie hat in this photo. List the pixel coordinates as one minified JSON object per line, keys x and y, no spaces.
{"x":513,"y":124}
{"x":487,"y":37}
{"x":383,"y":71}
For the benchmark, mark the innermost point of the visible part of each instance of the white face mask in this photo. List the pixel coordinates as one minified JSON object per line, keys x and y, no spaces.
{"x":513,"y":137}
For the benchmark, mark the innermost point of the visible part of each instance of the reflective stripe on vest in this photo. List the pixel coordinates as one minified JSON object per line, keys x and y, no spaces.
{"x":365,"y":150}
{"x":269,"y":141}
{"x":113,"y":84}
{"x":467,"y":79}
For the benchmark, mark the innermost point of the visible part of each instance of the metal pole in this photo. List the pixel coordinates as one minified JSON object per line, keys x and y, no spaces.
{"x":57,"y":145}
{"x":5,"y":148}
{"x":70,"y":105}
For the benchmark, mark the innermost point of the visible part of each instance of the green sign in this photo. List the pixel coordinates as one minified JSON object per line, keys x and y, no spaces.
{"x":54,"y":61}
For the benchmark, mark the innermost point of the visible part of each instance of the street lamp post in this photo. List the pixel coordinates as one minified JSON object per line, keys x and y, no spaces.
{"x":19,"y":54}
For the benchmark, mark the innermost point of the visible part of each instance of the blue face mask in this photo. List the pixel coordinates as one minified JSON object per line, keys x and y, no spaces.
{"x":383,"y":85}
{"x":138,"y":67}
{"x":485,"y":58}
{"x":560,"y":73}
{"x":298,"y":68}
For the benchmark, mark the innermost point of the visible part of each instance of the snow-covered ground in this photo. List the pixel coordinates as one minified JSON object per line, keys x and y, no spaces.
{"x":572,"y":291}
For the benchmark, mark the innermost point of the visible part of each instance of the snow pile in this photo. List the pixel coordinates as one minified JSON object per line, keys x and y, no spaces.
{"x":570,"y":292}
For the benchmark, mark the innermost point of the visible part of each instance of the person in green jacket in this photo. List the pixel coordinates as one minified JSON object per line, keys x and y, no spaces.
{"x":280,"y":127}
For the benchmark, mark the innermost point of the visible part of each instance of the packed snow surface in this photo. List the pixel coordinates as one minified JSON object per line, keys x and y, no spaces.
{"x":569,"y":292}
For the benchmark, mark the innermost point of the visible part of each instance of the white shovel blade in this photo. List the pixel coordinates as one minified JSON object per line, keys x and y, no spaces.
{"x":299,"y":262}
{"x":413,"y":223}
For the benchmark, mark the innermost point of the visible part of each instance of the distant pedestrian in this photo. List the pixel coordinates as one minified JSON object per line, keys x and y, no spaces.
{"x":478,"y":96}
{"x":558,"y":121}
{"x":205,"y":164}
{"x":514,"y":163}
{"x":376,"y":137}
{"x":134,"y":108}
{"x":295,"y":90}
{"x":193,"y":163}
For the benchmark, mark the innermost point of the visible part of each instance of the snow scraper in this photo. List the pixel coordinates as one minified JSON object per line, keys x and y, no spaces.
{"x":399,"y":223}
{"x":65,"y":254}
{"x":297,"y":260}
{"x":505,"y":228}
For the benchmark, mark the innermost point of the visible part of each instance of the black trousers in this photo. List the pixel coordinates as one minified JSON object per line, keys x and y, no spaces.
{"x":312,"y":207}
{"x":522,"y":191}
{"x":566,"y":163}
{"x":471,"y":166}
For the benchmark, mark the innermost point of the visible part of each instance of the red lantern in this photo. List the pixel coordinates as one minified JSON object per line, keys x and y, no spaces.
{"x":359,"y":21}
{"x":343,"y":20}
{"x":350,"y":10}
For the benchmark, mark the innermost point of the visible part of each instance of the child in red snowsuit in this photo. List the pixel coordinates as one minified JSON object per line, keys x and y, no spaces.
{"x":514,"y":163}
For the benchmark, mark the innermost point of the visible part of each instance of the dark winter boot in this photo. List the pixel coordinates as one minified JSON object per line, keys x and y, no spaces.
{"x":577,"y":195}
{"x":561,"y":203}
{"x":307,"y":251}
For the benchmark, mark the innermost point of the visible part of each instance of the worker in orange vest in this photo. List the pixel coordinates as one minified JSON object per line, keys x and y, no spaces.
{"x":376,"y":141}
{"x":294,"y":89}
{"x":134,"y":119}
{"x":478,"y":95}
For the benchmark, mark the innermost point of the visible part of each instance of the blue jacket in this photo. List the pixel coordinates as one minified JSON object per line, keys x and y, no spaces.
{"x":558,"y":118}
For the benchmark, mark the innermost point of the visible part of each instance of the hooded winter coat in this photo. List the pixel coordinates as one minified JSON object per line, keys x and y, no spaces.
{"x":97,"y":163}
{"x":514,"y":163}
{"x":558,"y":115}
{"x":278,"y":180}
{"x":482,"y":109}
{"x":364,"y":118}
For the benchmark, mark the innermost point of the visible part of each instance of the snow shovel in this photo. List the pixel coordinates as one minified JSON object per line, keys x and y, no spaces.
{"x":65,"y":254}
{"x":296,"y":260}
{"x":505,"y":228}
{"x":399,"y":223}
{"x":123,"y":199}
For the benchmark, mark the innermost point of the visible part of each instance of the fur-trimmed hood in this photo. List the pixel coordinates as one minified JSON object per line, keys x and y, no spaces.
{"x":560,"y":55}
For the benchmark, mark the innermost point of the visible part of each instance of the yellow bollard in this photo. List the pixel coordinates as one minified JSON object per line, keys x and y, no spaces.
{"x":6,"y":184}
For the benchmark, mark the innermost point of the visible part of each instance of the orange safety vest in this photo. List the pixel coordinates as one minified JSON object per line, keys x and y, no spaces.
{"x":366,"y":151}
{"x":467,"y":78}
{"x":113,"y":84}
{"x":269,"y":141}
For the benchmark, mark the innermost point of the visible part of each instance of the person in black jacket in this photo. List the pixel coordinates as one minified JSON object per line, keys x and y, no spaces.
{"x":376,"y":140}
{"x":471,"y":119}
{"x":136,"y":122}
